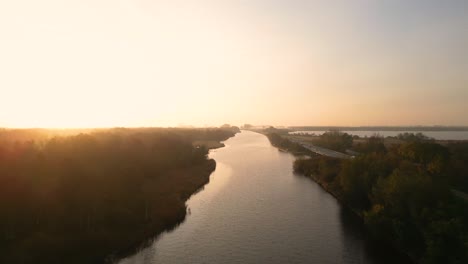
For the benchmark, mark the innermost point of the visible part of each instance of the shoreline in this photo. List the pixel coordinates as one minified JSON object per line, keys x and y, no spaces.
{"x":203,"y":177}
{"x":106,"y":194}
{"x":359,"y":215}
{"x":329,"y":189}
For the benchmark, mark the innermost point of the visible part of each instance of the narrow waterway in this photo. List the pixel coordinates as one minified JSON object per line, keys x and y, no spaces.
{"x":255,"y":210}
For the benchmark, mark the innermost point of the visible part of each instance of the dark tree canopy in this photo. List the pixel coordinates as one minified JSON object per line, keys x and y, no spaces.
{"x":404,"y":194}
{"x":77,"y":198}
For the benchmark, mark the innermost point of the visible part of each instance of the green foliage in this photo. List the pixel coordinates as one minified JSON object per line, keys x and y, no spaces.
{"x":306,"y":167}
{"x":77,"y":198}
{"x":374,"y":144}
{"x":335,"y":140}
{"x":458,"y":166}
{"x":325,"y":169}
{"x":412,"y":137}
{"x":429,"y":154}
{"x":404,"y":195}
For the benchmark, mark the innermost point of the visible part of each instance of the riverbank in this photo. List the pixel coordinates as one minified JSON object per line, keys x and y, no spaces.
{"x":255,"y":210}
{"x":402,"y":194}
{"x":95,"y":196}
{"x":105,"y":246}
{"x":334,"y":190}
{"x":324,"y":181}
{"x":181,"y":185}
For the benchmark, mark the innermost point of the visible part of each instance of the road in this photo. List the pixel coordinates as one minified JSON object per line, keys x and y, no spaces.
{"x":323,"y":151}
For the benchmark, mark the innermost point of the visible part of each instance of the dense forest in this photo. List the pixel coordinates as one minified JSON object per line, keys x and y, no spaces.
{"x":409,"y":195}
{"x":80,"y":196}
{"x":335,"y":140}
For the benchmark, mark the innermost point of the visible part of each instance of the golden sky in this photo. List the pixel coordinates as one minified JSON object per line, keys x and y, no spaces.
{"x":100,"y":63}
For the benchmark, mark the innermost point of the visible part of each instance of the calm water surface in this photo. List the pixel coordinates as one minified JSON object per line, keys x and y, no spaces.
{"x":255,"y":210}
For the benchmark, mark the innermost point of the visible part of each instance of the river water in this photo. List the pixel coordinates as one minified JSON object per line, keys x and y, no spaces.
{"x":255,"y":210}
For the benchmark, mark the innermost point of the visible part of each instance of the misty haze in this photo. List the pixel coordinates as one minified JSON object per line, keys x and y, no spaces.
{"x":223,"y":131}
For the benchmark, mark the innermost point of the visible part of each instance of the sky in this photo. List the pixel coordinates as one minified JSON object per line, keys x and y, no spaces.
{"x":106,"y":63}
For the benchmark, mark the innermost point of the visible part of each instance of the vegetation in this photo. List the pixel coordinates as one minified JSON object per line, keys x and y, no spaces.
{"x":458,"y":165}
{"x":274,"y":130}
{"x":77,"y":198}
{"x":413,"y":137}
{"x":404,"y":194}
{"x":381,"y":128}
{"x":374,"y":144}
{"x":335,"y":140}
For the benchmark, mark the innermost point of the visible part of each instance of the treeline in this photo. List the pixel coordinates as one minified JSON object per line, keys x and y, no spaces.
{"x":413,"y":136}
{"x":8,"y":136}
{"x":404,"y":193}
{"x":381,"y":128}
{"x":335,"y":140}
{"x":79,"y":198}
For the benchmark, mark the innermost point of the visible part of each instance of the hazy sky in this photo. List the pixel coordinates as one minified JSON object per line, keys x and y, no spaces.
{"x":94,"y":63}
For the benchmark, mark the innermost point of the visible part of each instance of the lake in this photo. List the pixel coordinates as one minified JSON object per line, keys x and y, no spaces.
{"x":255,"y":210}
